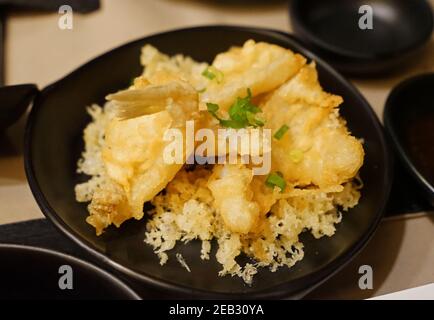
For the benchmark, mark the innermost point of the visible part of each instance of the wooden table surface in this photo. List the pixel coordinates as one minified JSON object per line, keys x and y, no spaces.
{"x":37,"y":51}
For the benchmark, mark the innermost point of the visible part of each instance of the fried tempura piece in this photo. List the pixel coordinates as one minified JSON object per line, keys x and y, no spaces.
{"x":246,"y":210}
{"x":158,"y":66}
{"x":230,"y":187}
{"x":263,"y":195}
{"x":261,"y":67}
{"x":317,"y":148}
{"x":109,"y":205}
{"x":133,"y":157}
{"x":176,"y":96}
{"x":133,"y":154}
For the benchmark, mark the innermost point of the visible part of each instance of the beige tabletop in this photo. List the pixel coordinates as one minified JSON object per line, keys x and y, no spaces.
{"x":37,"y":51}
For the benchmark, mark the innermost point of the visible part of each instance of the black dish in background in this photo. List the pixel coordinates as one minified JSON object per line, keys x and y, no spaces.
{"x":409,"y":103}
{"x":33,"y":273}
{"x":331,"y":29}
{"x":53,"y":144}
{"x":42,"y":233}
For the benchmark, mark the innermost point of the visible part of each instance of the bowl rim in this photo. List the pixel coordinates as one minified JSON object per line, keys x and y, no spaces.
{"x":337,"y":51}
{"x":8,"y":115}
{"x":393,"y":133}
{"x":85,"y":265}
{"x":296,"y":288}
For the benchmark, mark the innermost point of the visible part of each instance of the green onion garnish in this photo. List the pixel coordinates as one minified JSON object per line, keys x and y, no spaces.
{"x":281,"y":132}
{"x":212,"y":107}
{"x":276,"y":180}
{"x":208,"y":74}
{"x":242,"y":114}
{"x":212,"y":73}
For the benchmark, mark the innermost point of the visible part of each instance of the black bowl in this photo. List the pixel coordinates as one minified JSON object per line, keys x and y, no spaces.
{"x":53,"y":144}
{"x":33,"y":273}
{"x":331,"y":28}
{"x":409,"y":120}
{"x":14,"y":101}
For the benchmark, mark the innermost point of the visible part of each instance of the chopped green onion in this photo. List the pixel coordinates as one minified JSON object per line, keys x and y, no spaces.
{"x":212,"y":73}
{"x":219,"y":76}
{"x":242,"y":113}
{"x":296,"y":156}
{"x":212,"y":107}
{"x":232,"y":124}
{"x":254,"y":120}
{"x":281,"y":132}
{"x":208,"y":74}
{"x":201,"y":90}
{"x":276,"y":180}
{"x":251,"y":118}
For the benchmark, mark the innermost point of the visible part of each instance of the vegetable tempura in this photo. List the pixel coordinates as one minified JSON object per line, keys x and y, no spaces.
{"x":268,"y":102}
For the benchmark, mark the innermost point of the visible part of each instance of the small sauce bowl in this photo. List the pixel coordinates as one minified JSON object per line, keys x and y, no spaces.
{"x":409,"y":120}
{"x":338,"y":31}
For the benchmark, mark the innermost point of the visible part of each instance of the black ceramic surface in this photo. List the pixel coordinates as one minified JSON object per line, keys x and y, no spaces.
{"x":331,"y":27}
{"x":409,"y":119}
{"x":33,"y":273}
{"x":53,"y":145}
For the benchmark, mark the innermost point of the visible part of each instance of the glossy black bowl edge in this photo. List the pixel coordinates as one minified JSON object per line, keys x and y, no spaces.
{"x":127,"y":291}
{"x":395,"y":142}
{"x":8,"y":119}
{"x":302,"y":286}
{"x":348,"y":63}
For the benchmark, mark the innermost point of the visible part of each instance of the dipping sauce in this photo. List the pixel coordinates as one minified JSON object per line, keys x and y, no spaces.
{"x":410,"y":113}
{"x":419,"y":140}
